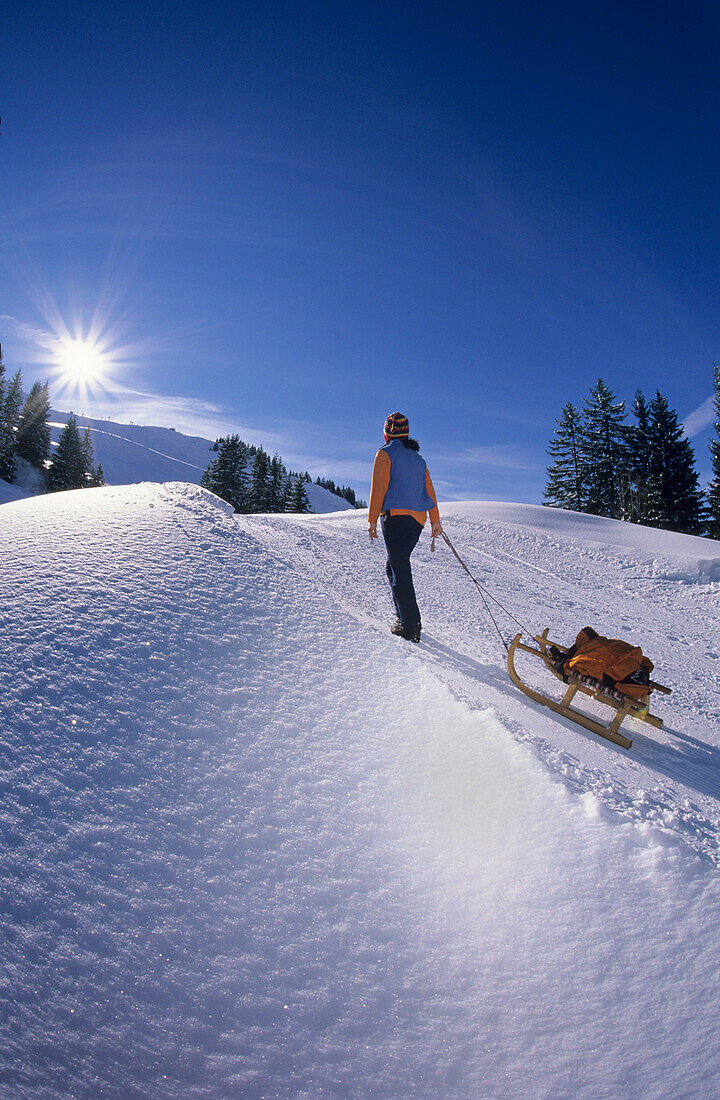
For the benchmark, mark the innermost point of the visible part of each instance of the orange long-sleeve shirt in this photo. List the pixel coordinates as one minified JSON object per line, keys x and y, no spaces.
{"x":379,"y":487}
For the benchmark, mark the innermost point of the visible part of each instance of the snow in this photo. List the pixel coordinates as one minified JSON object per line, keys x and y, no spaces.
{"x":709,"y":569}
{"x":28,"y":479}
{"x":253,"y":845}
{"x":321,"y":499}
{"x":11,"y":492}
{"x":133,"y":453}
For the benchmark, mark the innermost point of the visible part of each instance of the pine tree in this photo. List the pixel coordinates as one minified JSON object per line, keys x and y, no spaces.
{"x":637,"y":438}
{"x":32,"y":439}
{"x":87,"y":450}
{"x":639,"y":495}
{"x":69,"y":466}
{"x":5,"y":451}
{"x":603,"y":451}
{"x":9,"y":416}
{"x":287,"y":504}
{"x":226,"y":474}
{"x":260,"y":482}
{"x":97,"y":476}
{"x":298,"y":496}
{"x":672,"y":466}
{"x":277,"y":484}
{"x":94,"y":476}
{"x":714,"y":487}
{"x":6,"y":446}
{"x":564,"y":487}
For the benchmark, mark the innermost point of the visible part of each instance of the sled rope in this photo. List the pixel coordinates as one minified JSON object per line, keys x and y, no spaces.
{"x":483,"y":593}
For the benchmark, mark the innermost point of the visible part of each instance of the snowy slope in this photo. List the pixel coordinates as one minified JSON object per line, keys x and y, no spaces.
{"x":132,"y":453}
{"x":253,"y":846}
{"x":10,"y":492}
{"x":561,"y":570}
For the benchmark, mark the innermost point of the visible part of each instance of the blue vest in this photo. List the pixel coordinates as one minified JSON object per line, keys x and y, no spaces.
{"x":407,"y":488}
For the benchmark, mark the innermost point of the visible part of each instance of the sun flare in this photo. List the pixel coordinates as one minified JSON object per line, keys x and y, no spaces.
{"x":80,"y":361}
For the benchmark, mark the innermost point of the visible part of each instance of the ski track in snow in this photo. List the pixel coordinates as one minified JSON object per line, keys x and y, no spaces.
{"x":253,"y":846}
{"x":133,"y":443}
{"x":671,"y":778}
{"x":131,"y":454}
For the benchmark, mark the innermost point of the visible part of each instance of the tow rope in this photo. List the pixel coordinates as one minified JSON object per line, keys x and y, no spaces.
{"x":483,"y":594}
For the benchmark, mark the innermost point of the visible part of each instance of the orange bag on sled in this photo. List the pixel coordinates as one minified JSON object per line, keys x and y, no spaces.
{"x":610,"y":661}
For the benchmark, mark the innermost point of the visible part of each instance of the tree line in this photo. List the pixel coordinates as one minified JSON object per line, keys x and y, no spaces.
{"x":643,"y":471}
{"x":343,"y":491}
{"x":25,"y":437}
{"x":249,"y":479}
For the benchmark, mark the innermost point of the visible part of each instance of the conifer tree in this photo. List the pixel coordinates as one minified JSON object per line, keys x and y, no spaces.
{"x":9,"y":416}
{"x":94,"y":475}
{"x":603,"y":451}
{"x":287,"y":504}
{"x":87,"y":450}
{"x":226,"y":474}
{"x":97,"y":476}
{"x":298,"y":496}
{"x":672,"y":466}
{"x":714,"y":488}
{"x":32,"y":439}
{"x":637,"y":438}
{"x":69,"y":466}
{"x":564,"y":487}
{"x":639,"y":495}
{"x":260,"y":482}
{"x":277,"y":484}
{"x":6,"y":447}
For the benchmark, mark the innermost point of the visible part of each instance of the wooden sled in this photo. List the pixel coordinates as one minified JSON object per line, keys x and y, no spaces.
{"x":625,"y":706}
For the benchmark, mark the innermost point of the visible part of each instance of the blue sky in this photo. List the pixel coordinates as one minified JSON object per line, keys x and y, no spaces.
{"x":290,"y":219}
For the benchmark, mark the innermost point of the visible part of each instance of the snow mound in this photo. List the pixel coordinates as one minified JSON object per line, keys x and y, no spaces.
{"x":254,"y":846}
{"x":709,"y":569}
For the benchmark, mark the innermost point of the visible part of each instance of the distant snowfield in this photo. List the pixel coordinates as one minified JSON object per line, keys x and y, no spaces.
{"x":133,"y":453}
{"x":254,"y":846}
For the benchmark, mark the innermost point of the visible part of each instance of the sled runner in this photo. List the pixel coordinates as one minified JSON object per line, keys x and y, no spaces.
{"x":564,"y":662}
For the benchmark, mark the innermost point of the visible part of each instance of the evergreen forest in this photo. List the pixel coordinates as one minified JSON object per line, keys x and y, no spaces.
{"x":642,"y":471}
{"x":248,"y":478}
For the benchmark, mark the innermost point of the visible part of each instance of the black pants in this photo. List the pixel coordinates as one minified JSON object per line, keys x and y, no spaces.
{"x":401,"y":534}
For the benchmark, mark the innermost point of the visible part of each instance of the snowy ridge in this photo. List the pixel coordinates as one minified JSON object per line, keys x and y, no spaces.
{"x":133,"y":453}
{"x":254,"y":846}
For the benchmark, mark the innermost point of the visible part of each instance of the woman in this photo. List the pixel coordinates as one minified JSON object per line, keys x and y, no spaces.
{"x":403,"y":493}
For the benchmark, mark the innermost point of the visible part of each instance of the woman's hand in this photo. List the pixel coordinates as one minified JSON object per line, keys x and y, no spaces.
{"x":372,"y":531}
{"x":436,"y":530}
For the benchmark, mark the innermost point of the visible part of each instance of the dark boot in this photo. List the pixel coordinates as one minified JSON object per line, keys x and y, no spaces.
{"x":397,"y":628}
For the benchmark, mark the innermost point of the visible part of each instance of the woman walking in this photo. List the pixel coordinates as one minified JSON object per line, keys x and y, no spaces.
{"x":403,"y":494}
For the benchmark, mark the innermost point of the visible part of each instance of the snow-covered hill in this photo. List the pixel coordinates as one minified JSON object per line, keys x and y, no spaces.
{"x":11,"y":492}
{"x":254,"y":846}
{"x":133,"y":453}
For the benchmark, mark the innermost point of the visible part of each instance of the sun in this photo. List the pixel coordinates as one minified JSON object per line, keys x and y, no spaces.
{"x":80,"y":361}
